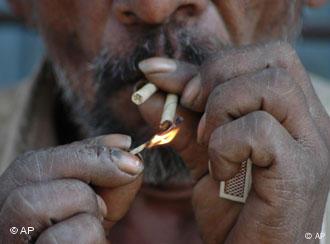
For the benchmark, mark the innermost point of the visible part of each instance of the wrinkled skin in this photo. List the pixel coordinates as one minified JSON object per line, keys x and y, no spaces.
{"x":51,"y":190}
{"x":252,"y":99}
{"x":251,"y":112}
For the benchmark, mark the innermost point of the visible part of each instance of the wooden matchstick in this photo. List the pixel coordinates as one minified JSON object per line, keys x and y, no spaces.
{"x":139,"y":149}
{"x":143,"y":94}
{"x":169,"y":111}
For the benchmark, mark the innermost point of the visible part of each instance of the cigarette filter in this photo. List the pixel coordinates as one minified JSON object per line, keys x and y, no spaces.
{"x":143,"y":94}
{"x":238,"y":188}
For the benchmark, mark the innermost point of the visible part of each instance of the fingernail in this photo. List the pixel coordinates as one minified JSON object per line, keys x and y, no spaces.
{"x":122,"y":141}
{"x":201,"y":129}
{"x":157,"y":65}
{"x":127,"y":141}
{"x":126,"y":162}
{"x":102,"y":206}
{"x":191,"y":91}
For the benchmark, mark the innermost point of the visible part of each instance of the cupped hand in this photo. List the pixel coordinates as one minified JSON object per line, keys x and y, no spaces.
{"x":252,"y":102}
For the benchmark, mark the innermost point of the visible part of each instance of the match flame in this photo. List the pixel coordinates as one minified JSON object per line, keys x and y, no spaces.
{"x":163,"y":138}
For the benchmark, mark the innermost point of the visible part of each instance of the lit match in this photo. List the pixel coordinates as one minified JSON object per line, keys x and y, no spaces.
{"x":159,"y":139}
{"x":235,"y":189}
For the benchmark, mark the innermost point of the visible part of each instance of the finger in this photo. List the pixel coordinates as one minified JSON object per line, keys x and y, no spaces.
{"x":118,"y":201}
{"x":279,"y":176}
{"x":82,"y":228}
{"x":215,"y":216}
{"x":185,"y":142}
{"x":42,"y":205}
{"x":168,"y":74}
{"x":257,"y":136}
{"x":247,"y":59}
{"x":95,"y":164}
{"x":271,"y":90}
{"x":113,"y":140}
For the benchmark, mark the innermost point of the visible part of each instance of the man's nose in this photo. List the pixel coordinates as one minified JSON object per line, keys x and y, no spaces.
{"x":155,"y":12}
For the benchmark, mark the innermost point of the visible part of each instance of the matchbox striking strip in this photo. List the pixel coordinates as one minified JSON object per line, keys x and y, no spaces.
{"x":238,"y":188}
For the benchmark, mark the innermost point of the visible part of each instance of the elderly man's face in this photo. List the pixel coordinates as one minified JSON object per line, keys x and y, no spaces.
{"x":96,"y":45}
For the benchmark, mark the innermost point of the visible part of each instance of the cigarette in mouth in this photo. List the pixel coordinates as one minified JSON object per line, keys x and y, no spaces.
{"x":235,"y":189}
{"x":143,"y":94}
{"x":169,"y":111}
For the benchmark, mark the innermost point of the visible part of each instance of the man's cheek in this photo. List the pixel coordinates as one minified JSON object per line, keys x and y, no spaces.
{"x":81,"y":87}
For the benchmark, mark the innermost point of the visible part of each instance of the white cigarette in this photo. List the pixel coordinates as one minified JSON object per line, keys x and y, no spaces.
{"x":169,"y":111}
{"x":144,"y":93}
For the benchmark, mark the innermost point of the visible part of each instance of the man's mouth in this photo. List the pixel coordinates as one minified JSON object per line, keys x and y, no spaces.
{"x":118,"y":70}
{"x":116,"y":74}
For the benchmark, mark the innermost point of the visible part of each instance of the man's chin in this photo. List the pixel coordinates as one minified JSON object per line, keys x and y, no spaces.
{"x":163,"y":166}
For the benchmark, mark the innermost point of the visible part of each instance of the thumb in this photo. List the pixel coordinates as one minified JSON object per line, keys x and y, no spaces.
{"x":118,"y":200}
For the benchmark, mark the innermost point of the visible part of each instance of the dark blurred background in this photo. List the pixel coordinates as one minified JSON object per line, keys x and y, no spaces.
{"x":21,"y":49}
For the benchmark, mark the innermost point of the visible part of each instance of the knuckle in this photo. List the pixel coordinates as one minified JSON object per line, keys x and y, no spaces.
{"x":283,"y":82}
{"x":285,"y":50}
{"x":96,"y":141}
{"x":283,"y":46}
{"x":24,"y":168}
{"x":260,"y":122}
{"x":282,"y":54}
{"x":95,"y":152}
{"x":30,"y":162}
{"x":23,"y":159}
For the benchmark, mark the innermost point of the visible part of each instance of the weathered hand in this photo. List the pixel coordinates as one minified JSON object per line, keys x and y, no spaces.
{"x":258,"y":103}
{"x":53,"y":191}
